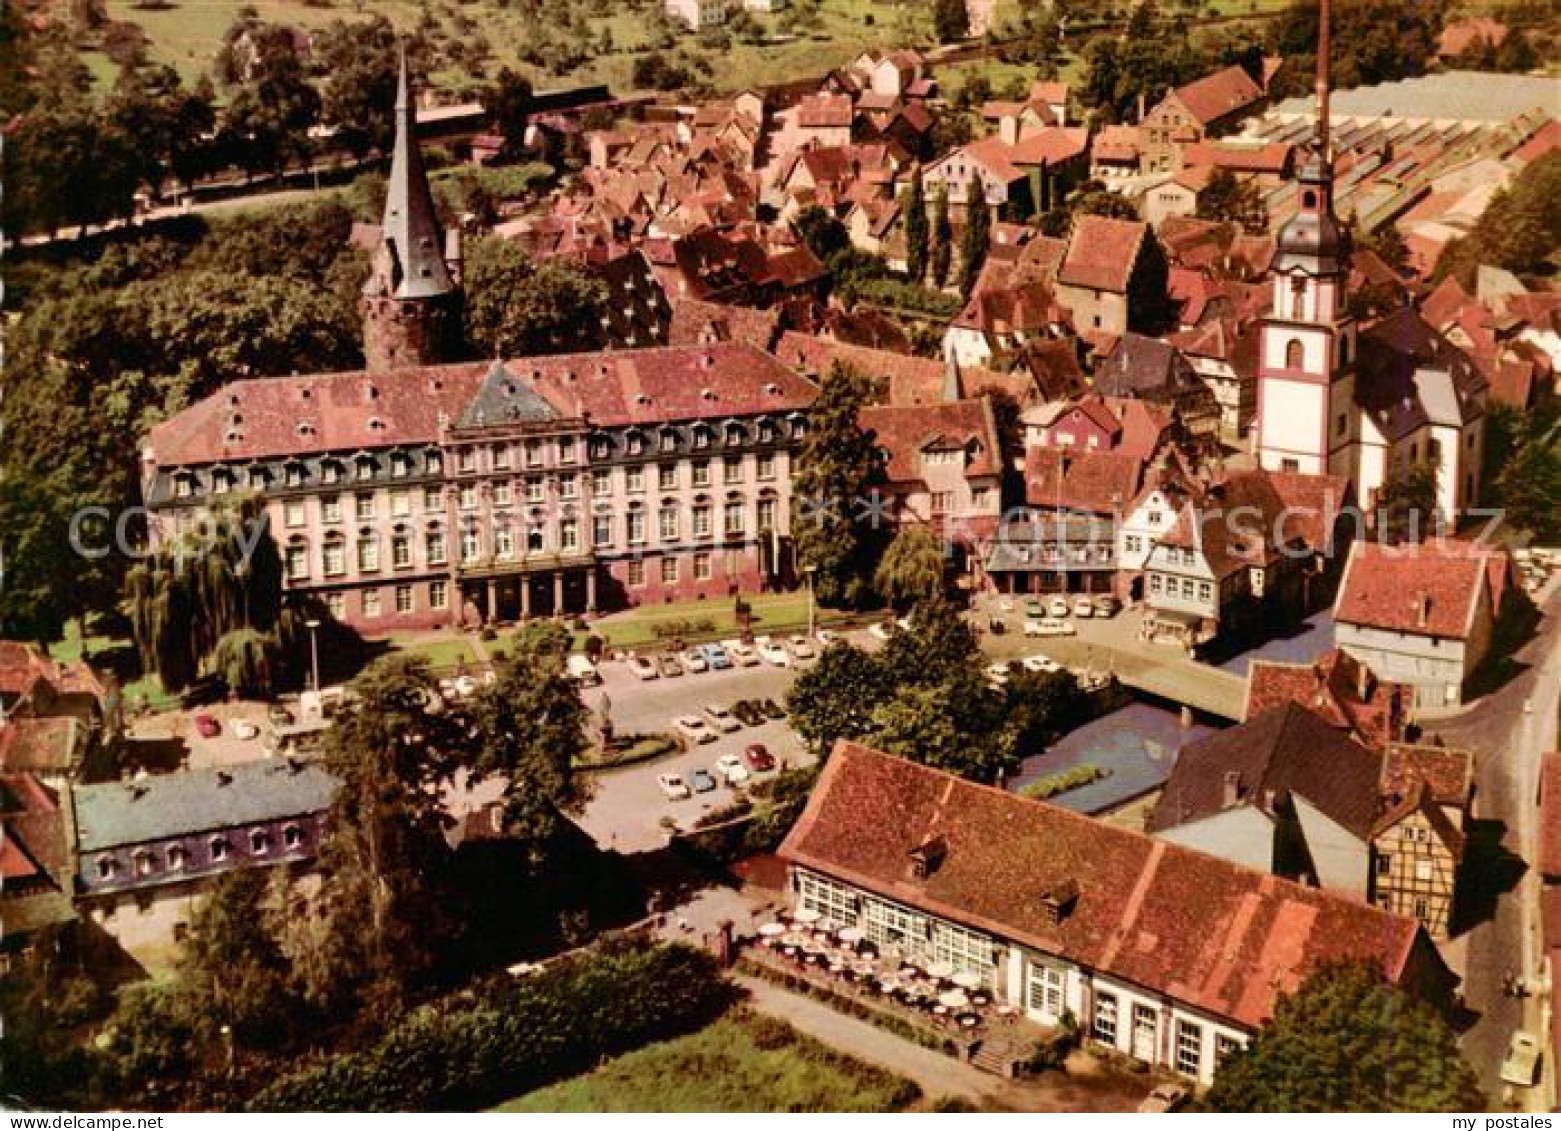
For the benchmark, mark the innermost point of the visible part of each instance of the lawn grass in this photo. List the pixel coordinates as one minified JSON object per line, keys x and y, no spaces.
{"x":118,"y":656}
{"x":440,"y":652}
{"x":773,"y":613}
{"x":741,"y":1063}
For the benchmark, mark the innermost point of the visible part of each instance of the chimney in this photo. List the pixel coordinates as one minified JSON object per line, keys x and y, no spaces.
{"x":1422,"y":610}
{"x":1140,"y":117}
{"x":927,"y":856}
{"x":224,"y":778}
{"x":1058,"y":902}
{"x":1232,"y":794}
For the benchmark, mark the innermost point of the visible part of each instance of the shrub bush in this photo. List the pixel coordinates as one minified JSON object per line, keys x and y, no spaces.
{"x":520,"y":1034}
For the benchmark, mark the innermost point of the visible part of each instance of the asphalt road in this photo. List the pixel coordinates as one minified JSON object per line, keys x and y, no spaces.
{"x":627,"y":806}
{"x":1509,"y":730}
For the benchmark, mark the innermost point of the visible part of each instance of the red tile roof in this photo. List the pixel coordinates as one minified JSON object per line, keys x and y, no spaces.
{"x":1422,"y":590}
{"x":1337,"y":688}
{"x":823,"y":111}
{"x":1446,"y":771}
{"x":1271,"y":157}
{"x":1094,"y":481}
{"x":1116,"y":143}
{"x":903,"y":432}
{"x":1101,"y":253}
{"x":1221,"y":938}
{"x":696,"y":323}
{"x":1214,"y":96}
{"x":1544,"y":140}
{"x":905,"y":378}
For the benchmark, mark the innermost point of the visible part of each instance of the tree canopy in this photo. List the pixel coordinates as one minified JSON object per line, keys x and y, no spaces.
{"x":518,"y":307}
{"x":1349,"y":1041}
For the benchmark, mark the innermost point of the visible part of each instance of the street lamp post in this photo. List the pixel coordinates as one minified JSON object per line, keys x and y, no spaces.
{"x":314,"y":653}
{"x":812,"y":605}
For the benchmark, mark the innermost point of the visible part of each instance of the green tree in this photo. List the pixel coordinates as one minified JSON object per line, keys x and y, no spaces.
{"x":383,"y":920}
{"x":942,"y":237}
{"x":272,"y":103}
{"x":950,"y":20}
{"x":36,"y":598}
{"x":1348,"y":1041}
{"x":916,"y":234}
{"x":822,"y":232}
{"x":834,"y":698}
{"x":508,"y":100}
{"x":1529,"y":485}
{"x":1233,"y":200}
{"x":911,"y":568}
{"x":358,"y":63}
{"x":837,"y":500}
{"x":517,"y":307}
{"x":1520,"y":229}
{"x":1406,"y":507}
{"x":978,"y":234}
{"x":207,"y":598}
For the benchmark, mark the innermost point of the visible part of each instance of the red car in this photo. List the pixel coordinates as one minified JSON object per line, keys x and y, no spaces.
{"x":758,"y":757}
{"x":207,"y":726}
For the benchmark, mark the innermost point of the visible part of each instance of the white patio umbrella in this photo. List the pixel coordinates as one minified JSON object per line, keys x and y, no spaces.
{"x":954,"y":999}
{"x":771,"y":930}
{"x":940,"y":969}
{"x":851,"y":934}
{"x":807,"y":915}
{"x":967,"y":980}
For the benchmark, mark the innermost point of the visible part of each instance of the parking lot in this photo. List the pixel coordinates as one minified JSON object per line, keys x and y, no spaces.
{"x":628,"y":805}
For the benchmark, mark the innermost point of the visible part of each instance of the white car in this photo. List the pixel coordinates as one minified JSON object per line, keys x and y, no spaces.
{"x":881,"y":630}
{"x":742,"y":655}
{"x":1040,"y":663}
{"x":1083,"y":606}
{"x":242,"y":728}
{"x":694,"y":728}
{"x":1048,"y":626}
{"x":673,"y":786}
{"x":997,"y":674}
{"x":1057,"y":606}
{"x":773,"y":652}
{"x":800,"y":648}
{"x":643,"y":667}
{"x":721,"y":719}
{"x":465,"y":686}
{"x":1521,"y":1066}
{"x":826,"y":637}
{"x":693,"y":660}
{"x":732,"y":770}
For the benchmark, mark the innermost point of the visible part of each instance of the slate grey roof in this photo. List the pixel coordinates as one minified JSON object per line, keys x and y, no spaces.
{"x":501,"y":399}
{"x":163,"y":806}
{"x":1460,"y":96}
{"x":1397,"y":357}
{"x":411,"y":264}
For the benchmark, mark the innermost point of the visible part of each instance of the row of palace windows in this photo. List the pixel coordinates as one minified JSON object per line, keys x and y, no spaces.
{"x":403,"y":599}
{"x":176,"y":857}
{"x":300,"y":473}
{"x":669,"y":568}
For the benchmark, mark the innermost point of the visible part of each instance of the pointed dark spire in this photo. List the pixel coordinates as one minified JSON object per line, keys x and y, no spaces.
{"x":413,"y":241}
{"x":1323,"y":64}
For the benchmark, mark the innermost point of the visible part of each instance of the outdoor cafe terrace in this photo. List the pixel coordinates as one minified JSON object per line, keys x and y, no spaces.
{"x":950,"y":1009}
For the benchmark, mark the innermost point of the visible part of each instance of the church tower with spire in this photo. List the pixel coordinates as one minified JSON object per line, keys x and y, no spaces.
{"x":1306,"y":396}
{"x":411,"y":304}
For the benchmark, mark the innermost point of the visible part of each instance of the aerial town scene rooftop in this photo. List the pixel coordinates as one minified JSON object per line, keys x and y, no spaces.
{"x":781,"y":556}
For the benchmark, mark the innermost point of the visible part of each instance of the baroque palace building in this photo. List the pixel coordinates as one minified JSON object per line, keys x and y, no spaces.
{"x":422,"y":490}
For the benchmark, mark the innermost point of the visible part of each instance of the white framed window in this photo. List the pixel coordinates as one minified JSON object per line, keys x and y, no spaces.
{"x":368,"y":554}
{"x":371,"y":606}
{"x":403,"y":599}
{"x":732,"y":469}
{"x":336,"y":605}
{"x":502,"y":493}
{"x":535,"y":489}
{"x":468,"y":497}
{"x":365,"y":507}
{"x":702,"y":520}
{"x":1105,"y":1026}
{"x":701,"y":473}
{"x":259,"y":841}
{"x":400,"y":551}
{"x":471,"y":547}
{"x":1225,"y":1046}
{"x":1189,"y":1048}
{"x":636,"y":575}
{"x":501,"y":457}
{"x":433,"y":499}
{"x":433,"y":544}
{"x":466,"y":460}
{"x":669,"y":571}
{"x":601,"y":530}
{"x":768,"y":510}
{"x":634,"y":480}
{"x":293,"y":513}
{"x":438,"y":595}
{"x":335,"y":558}
{"x":568,"y":486}
{"x":601,"y":483}
{"x":702,"y":568}
{"x":635,"y":524}
{"x":1047,"y":990}
{"x":733,"y":519}
{"x":835,"y":902}
{"x":219,"y":848}
{"x":668,"y":524}
{"x":969,"y":952}
{"x":569,"y":535}
{"x":330,"y":509}
{"x":764,"y":467}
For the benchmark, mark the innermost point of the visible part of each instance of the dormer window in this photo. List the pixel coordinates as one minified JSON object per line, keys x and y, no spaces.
{"x":259,"y":842}
{"x":435,"y":463}
{"x":294,"y":475}
{"x":928,"y":856}
{"x":292,"y":837}
{"x":107,"y":867}
{"x":330,"y":472}
{"x":183,"y":485}
{"x":177,"y":857}
{"x":634,"y":442}
{"x":466,"y":460}
{"x":400,"y":465}
{"x":669,"y":440}
{"x":144,"y":863}
{"x":219,"y":848}
{"x":221,"y":481}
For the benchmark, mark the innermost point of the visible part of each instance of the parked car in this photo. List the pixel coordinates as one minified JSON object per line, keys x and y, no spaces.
{"x":731,"y":769}
{"x":466,"y":686}
{"x":721,"y":719}
{"x":207,"y":726}
{"x":881,"y":630}
{"x":243,"y":728}
{"x":742,"y":655}
{"x":1034,"y":607}
{"x":694,"y":728}
{"x":1057,"y":606}
{"x":800,"y":648}
{"x":772,"y":651}
{"x":673,"y":786}
{"x":1083,"y":606}
{"x":716,"y":657}
{"x":1048,"y":626}
{"x":583,"y":671}
{"x":997,"y":674}
{"x":642,"y":667}
{"x":1106,"y":605}
{"x":279,"y":716}
{"x":700,"y":780}
{"x":668,"y":665}
{"x":826,"y":637}
{"x":759,"y":757}
{"x":1521,"y":1065}
{"x":748,"y":712}
{"x":693,"y":660}
{"x":772,"y":709}
{"x":995,"y":626}
{"x":1040,"y":663}
{"x":1165,"y":1097}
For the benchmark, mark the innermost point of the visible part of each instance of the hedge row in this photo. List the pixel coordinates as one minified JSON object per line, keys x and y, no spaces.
{"x":518,"y":1035}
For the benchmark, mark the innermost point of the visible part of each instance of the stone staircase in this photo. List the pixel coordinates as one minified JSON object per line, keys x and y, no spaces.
{"x":1002,"y":1055}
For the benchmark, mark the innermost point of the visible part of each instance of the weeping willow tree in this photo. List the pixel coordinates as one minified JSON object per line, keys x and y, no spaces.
{"x":209,"y":602}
